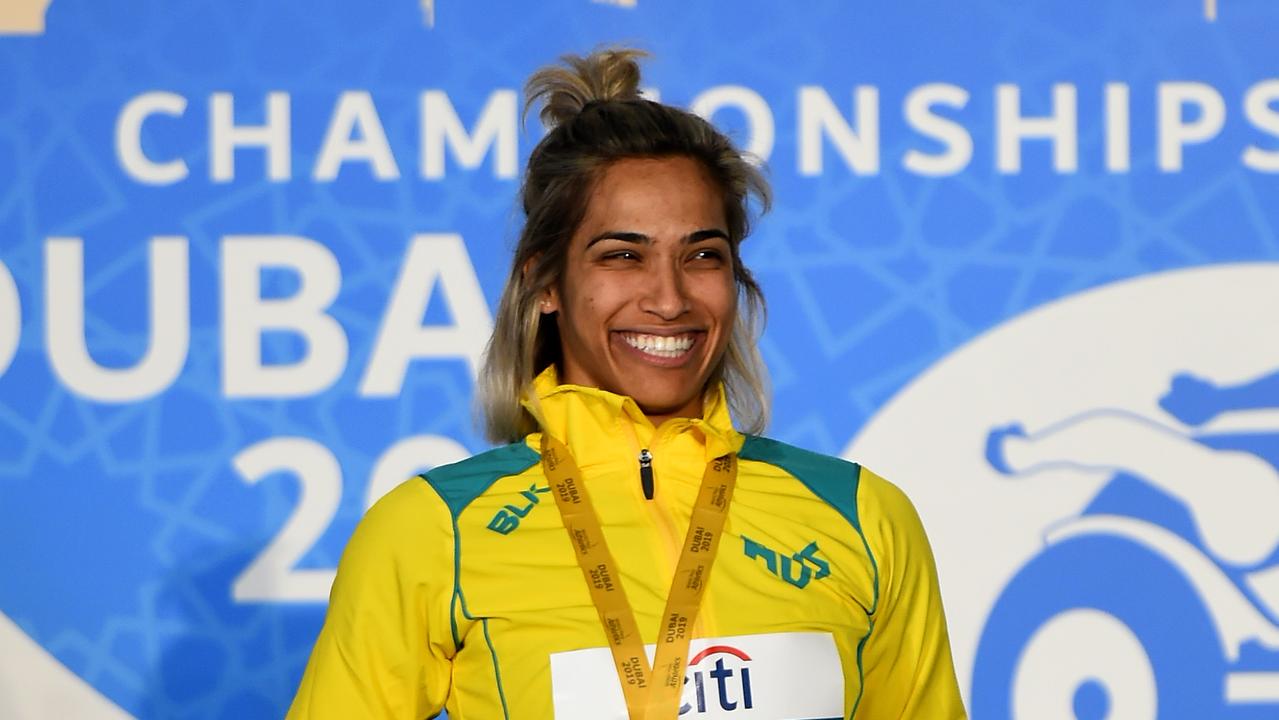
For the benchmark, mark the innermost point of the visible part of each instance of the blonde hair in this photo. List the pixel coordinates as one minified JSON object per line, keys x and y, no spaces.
{"x":595,"y":115}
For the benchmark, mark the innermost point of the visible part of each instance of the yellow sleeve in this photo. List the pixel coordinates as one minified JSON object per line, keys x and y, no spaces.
{"x":907,"y":668}
{"x":386,"y":647}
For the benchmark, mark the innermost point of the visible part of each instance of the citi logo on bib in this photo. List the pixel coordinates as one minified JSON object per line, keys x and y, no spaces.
{"x":743,"y":677}
{"x":721,"y":673}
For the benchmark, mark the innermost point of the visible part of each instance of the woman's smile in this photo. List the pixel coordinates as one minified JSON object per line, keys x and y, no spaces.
{"x":664,"y":350}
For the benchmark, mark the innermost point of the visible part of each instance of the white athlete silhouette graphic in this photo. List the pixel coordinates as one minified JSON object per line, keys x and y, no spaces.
{"x":23,"y":17}
{"x":1232,"y":495}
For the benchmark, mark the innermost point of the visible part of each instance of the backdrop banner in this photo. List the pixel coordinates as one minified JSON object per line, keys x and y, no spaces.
{"x":1023,"y":261}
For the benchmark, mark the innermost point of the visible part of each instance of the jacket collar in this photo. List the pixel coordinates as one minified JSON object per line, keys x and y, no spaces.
{"x":586,"y":417}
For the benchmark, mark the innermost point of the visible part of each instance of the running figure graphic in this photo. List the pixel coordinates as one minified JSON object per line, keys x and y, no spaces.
{"x":1161,"y":597}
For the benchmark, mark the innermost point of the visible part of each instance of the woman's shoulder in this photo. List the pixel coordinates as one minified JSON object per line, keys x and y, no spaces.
{"x":425,"y":503}
{"x":411,"y":528}
{"x":786,"y":456}
{"x":857,"y":492}
{"x":459,"y":483}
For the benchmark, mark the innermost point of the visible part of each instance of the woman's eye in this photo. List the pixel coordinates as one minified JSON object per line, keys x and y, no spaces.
{"x":622,"y":255}
{"x":708,"y":255}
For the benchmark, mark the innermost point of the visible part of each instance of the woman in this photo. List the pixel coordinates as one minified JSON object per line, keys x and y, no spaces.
{"x":628,"y":508}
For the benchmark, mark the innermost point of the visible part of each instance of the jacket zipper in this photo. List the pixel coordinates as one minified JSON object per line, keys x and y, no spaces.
{"x":646,"y":473}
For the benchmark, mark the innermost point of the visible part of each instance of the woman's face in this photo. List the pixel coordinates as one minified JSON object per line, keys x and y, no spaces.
{"x":648,"y":298}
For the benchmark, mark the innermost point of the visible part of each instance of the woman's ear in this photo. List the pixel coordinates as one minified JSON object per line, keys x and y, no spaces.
{"x":550,"y":301}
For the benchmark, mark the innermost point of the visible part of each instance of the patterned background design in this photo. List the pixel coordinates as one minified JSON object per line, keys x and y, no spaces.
{"x":124,"y":525}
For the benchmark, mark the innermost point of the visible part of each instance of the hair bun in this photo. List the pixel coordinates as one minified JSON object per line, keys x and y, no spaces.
{"x":566,"y":89}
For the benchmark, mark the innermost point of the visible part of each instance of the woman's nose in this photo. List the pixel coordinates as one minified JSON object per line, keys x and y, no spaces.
{"x":665,"y":292}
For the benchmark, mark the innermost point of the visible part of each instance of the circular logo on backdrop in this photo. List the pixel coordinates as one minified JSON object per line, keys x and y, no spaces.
{"x":1100,"y":483}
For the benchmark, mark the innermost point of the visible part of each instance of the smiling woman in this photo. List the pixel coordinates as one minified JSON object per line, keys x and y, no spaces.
{"x":647,"y":300}
{"x":612,"y":169}
{"x":686,"y":568}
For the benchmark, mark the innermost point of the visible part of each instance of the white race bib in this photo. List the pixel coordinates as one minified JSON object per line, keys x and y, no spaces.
{"x":775,"y":676}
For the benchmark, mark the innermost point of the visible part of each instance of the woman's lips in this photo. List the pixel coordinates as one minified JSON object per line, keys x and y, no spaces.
{"x":669,"y":350}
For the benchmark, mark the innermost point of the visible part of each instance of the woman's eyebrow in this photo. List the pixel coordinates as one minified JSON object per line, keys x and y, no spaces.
{"x":642,"y":239}
{"x":707,"y":234}
{"x":630,"y":237}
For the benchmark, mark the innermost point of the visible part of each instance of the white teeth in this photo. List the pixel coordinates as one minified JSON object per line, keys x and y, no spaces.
{"x":660,"y":345}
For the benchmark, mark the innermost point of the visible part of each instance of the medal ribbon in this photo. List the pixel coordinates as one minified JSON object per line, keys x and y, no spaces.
{"x":651,"y":692}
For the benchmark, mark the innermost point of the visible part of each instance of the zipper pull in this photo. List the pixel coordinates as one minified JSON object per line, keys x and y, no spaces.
{"x":646,"y":473}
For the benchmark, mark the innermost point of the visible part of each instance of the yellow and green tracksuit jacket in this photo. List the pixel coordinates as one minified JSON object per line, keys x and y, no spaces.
{"x":459,"y":590}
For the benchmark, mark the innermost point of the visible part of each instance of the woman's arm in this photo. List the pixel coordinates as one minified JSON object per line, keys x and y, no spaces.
{"x":906,"y":663}
{"x":386,"y":647}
